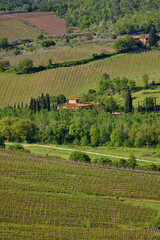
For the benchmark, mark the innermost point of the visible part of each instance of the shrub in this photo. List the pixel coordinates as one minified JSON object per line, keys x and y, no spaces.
{"x":40,"y":36}
{"x":103,"y":160}
{"x":4,"y":64}
{"x":131,"y":162}
{"x":122,"y":162}
{"x":3,"y":42}
{"x":47,"y":43}
{"x":25,"y":65}
{"x":16,"y":52}
{"x":79,"y":157}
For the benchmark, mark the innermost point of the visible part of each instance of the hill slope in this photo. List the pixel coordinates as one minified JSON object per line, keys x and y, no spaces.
{"x":74,"y":81}
{"x":44,"y":22}
{"x":48,"y":198}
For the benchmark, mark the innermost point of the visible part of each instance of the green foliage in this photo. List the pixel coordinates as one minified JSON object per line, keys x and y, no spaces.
{"x":88,"y":36}
{"x":18,"y":147}
{"x":47,"y":43}
{"x":40,"y":36}
{"x":145,"y":79}
{"x":16,"y":51}
{"x":3,"y":42}
{"x":24,"y":66}
{"x":156,"y":224}
{"x":125,"y":43}
{"x":116,"y":138}
{"x":4,"y":64}
{"x":103,"y":160}
{"x":128,"y":102}
{"x":152,"y":39}
{"x":95,"y":134}
{"x":131,"y":162}
{"x":79,"y":157}
{"x":2,"y":145}
{"x":122,"y":162}
{"x":27,"y":8}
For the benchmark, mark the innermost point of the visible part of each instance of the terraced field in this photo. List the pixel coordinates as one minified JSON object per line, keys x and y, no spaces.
{"x":49,"y":198}
{"x":74,"y":81}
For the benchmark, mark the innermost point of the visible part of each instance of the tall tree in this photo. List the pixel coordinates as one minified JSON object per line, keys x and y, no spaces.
{"x":48,"y":102}
{"x":152,"y":37}
{"x":128,"y":102}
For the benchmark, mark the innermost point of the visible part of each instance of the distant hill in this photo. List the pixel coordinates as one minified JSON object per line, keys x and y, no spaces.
{"x":122,"y":16}
{"x":74,"y":81}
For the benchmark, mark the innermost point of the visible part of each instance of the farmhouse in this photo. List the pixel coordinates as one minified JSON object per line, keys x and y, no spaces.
{"x":73,"y":104}
{"x":142,"y":39}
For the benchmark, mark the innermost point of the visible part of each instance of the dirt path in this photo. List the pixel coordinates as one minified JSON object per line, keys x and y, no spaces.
{"x":72,"y":150}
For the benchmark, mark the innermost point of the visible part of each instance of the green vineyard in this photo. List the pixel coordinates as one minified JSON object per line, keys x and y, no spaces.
{"x":74,"y":81}
{"x":49,"y":198}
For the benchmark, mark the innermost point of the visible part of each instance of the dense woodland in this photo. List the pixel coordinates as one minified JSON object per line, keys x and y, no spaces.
{"x":117,"y":15}
{"x":83,"y":127}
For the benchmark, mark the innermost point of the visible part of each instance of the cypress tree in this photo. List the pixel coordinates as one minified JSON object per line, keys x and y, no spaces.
{"x":152,"y":37}
{"x":128,"y":102}
{"x":42,"y":102}
{"x":31,"y":104}
{"x":34,"y":105}
{"x":48,"y":102}
{"x":37,"y":106}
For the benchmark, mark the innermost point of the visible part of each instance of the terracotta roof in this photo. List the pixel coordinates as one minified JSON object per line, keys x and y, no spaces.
{"x":73,"y":105}
{"x":73,"y":98}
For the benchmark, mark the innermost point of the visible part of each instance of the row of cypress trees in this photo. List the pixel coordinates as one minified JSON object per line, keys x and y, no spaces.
{"x":42,"y":102}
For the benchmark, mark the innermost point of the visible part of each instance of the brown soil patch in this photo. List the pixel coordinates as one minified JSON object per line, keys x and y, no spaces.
{"x":46,"y":22}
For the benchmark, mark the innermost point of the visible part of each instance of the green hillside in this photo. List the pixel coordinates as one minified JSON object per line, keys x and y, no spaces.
{"x":74,"y":81}
{"x":49,"y":198}
{"x":21,"y":30}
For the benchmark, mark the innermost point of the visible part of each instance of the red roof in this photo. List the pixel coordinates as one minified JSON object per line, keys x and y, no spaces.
{"x":73,"y":105}
{"x":73,"y":98}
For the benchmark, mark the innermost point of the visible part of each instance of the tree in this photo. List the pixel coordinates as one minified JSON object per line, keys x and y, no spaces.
{"x":3,"y":42}
{"x":125,"y":43}
{"x":79,"y":157}
{"x":152,"y":37}
{"x":105,"y":84}
{"x":24,"y":66}
{"x":131,"y":162}
{"x":27,"y":8}
{"x":6,"y":126}
{"x":111,"y":105}
{"x":128,"y":102}
{"x":23,"y":129}
{"x":116,"y":138}
{"x":95,"y":134}
{"x":145,"y":79}
{"x":48,"y":102}
{"x":4,"y":64}
{"x":2,"y":145}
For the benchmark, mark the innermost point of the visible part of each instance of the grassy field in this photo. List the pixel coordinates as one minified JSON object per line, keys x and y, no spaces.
{"x":21,"y":30}
{"x":74,"y":81}
{"x":147,"y":154}
{"x":44,"y":197}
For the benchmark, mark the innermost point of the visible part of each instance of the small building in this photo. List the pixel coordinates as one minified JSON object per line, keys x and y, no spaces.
{"x":73,"y":104}
{"x":142,"y":39}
